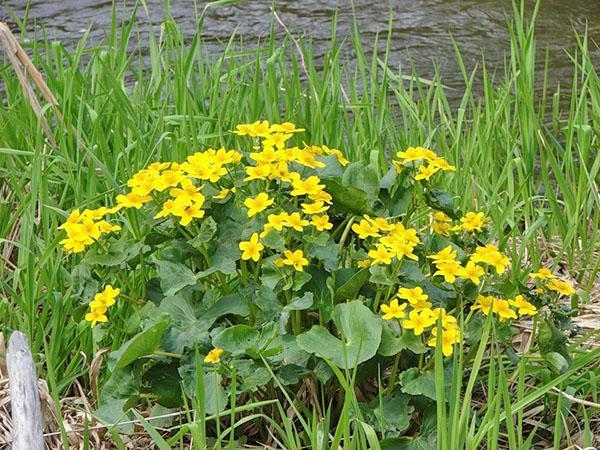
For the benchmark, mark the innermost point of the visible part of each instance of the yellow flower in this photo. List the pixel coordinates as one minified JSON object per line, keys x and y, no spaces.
{"x":562,"y":287}
{"x":401,"y":249}
{"x":380,"y":223}
{"x":321,"y":196}
{"x":295,"y":221}
{"x":261,"y":172}
{"x":425,"y":172}
{"x":187,"y":194}
{"x":524,"y":307}
{"x":542,"y":274}
{"x":471,"y":272}
{"x":450,"y":337}
{"x":380,"y":255}
{"x":449,"y":270}
{"x":167,"y":209}
{"x":74,"y":218}
{"x":309,"y":186}
{"x":95,"y":316}
{"x":107,"y":296}
{"x":473,"y":221}
{"x":490,"y":255}
{"x":445,"y":255}
{"x":214,"y":356}
{"x":321,"y":223}
{"x":415,"y":153}
{"x":277,"y":221}
{"x":441,"y":228}
{"x":132,"y":200}
{"x":418,"y":321}
{"x":256,"y":129}
{"x":503,"y":309}
{"x":276,"y":140}
{"x":439,"y":216}
{"x":251,"y":249}
{"x":286,"y":127}
{"x":295,"y":259}
{"x":393,"y":310}
{"x":169,"y":178}
{"x":448,"y":321}
{"x":257,"y":204}
{"x":306,"y":158}
{"x":364,"y":229}
{"x":187,"y":212}
{"x":441,"y":164}
{"x":484,"y":303}
{"x":222,"y":194}
{"x":314,"y":208}
{"x":415,"y":296}
{"x":338,"y":154}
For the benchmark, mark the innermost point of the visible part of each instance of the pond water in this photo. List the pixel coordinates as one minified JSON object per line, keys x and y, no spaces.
{"x":421,"y":28}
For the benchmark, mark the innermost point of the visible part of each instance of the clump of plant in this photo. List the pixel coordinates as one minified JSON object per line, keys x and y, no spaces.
{"x":275,"y":262}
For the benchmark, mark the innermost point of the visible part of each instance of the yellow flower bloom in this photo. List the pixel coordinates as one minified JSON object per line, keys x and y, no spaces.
{"x":187,"y":212}
{"x":380,"y":255}
{"x":425,"y":172}
{"x":261,"y":172}
{"x":95,"y":316}
{"x":309,"y":186}
{"x":257,"y":204}
{"x":277,"y":221}
{"x":441,"y":164}
{"x":441,"y":228}
{"x":393,"y":310}
{"x":380,"y":223}
{"x":450,"y":337}
{"x":524,"y":308}
{"x":132,"y":200}
{"x":418,"y":321}
{"x":484,"y":303}
{"x":166,"y":210}
{"x":562,"y":287}
{"x":364,"y":229}
{"x":445,"y":255}
{"x":251,"y":249}
{"x":222,"y":194}
{"x":542,"y":274}
{"x":448,"y":321}
{"x":415,"y":296}
{"x":107,"y":296}
{"x":314,"y":208}
{"x":277,"y":140}
{"x":503,"y":309}
{"x":286,"y":127}
{"x":471,"y":272}
{"x":449,"y":270}
{"x":187,"y":194}
{"x":256,"y":129}
{"x":473,"y":221}
{"x":295,"y":221}
{"x":439,"y":216}
{"x":214,"y":356}
{"x":295,"y":259}
{"x":321,"y":223}
{"x":415,"y":154}
{"x":492,"y":256}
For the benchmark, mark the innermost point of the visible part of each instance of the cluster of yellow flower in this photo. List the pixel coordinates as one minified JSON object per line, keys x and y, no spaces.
{"x":422,"y":317}
{"x":85,"y":228}
{"x":102,"y":301}
{"x":426,"y":161}
{"x":550,"y":281}
{"x":490,"y":303}
{"x":393,"y":240}
{"x":471,"y":222}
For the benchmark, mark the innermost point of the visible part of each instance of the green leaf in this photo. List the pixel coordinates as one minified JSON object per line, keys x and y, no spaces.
{"x":347,"y":199}
{"x":348,"y":282}
{"x":274,"y":240}
{"x":357,"y":175}
{"x":236,"y":339}
{"x":360,"y":331}
{"x":174,"y":276}
{"x":117,"y":252}
{"x":300,"y":303}
{"x":440,"y":200}
{"x":163,"y":382}
{"x":208,"y":229}
{"x":215,"y":397}
{"x":142,"y":344}
{"x":391,"y":343}
{"x":415,"y":382}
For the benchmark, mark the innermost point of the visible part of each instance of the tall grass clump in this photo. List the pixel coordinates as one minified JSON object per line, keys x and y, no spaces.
{"x":205,"y":313}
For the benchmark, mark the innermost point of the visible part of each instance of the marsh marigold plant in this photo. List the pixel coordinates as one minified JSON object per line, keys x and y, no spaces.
{"x":286,"y":252}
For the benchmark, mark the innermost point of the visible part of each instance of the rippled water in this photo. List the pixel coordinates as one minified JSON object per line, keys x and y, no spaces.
{"x":421,"y":28}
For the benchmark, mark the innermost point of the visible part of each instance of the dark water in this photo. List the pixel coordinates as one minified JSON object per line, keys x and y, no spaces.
{"x":421,"y":28}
